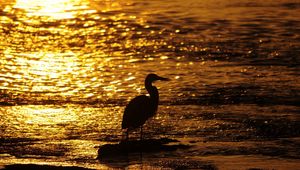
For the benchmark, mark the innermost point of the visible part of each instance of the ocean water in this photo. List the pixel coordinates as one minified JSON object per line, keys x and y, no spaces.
{"x":69,"y":67}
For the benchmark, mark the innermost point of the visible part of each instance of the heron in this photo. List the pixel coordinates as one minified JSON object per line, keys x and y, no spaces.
{"x":142,"y":107}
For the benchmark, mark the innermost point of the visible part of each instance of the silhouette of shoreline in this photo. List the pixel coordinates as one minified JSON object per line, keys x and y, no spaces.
{"x":44,"y":167}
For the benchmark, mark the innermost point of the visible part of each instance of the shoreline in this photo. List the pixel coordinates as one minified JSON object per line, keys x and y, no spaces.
{"x":200,"y":154}
{"x":44,"y":167}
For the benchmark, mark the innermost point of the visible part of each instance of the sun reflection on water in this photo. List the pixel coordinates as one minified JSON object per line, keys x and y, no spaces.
{"x":44,"y":121}
{"x":41,"y":71}
{"x":53,"y":9}
{"x":69,"y":49}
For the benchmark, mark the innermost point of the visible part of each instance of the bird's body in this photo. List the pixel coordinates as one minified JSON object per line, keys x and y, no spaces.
{"x":141,"y":108}
{"x":133,"y":118}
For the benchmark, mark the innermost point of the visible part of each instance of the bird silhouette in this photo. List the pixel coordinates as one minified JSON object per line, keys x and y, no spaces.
{"x":141,"y":108}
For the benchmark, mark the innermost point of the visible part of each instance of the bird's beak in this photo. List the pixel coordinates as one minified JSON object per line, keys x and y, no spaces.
{"x":163,"y":79}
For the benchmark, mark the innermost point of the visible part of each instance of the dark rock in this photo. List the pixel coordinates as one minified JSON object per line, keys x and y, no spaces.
{"x":150,"y":145}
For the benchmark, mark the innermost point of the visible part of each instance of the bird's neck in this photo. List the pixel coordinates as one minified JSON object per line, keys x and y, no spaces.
{"x":153,"y":92}
{"x":154,"y":97}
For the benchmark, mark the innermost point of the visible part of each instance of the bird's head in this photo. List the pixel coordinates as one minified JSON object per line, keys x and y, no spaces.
{"x":153,"y":77}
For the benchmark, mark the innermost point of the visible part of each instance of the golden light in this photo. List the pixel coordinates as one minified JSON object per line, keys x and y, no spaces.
{"x":60,"y":49}
{"x":53,"y":9}
{"x":38,"y":68}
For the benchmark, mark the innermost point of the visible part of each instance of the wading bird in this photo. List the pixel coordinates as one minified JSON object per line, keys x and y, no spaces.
{"x":142,"y":107}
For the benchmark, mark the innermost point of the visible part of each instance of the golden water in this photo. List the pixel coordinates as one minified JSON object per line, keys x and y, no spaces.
{"x":68,"y":68}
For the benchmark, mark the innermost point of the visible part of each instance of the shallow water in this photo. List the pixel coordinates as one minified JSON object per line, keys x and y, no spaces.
{"x":68,"y":68}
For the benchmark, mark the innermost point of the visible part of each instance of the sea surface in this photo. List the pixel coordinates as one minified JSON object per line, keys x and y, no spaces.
{"x":69,"y":67}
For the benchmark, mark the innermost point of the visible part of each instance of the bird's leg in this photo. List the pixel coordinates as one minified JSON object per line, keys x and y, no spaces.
{"x":127,"y":134}
{"x":141,"y":137}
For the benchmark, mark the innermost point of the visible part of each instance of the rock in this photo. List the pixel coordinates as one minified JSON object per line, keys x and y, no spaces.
{"x":151,"y":145}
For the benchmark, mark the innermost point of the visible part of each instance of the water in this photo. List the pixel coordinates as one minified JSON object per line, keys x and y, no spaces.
{"x":69,"y":67}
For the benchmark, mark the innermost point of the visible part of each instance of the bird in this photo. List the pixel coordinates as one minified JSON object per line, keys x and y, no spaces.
{"x":142,"y":107}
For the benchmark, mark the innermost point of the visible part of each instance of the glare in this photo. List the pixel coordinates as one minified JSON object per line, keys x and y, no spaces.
{"x":44,"y":115}
{"x":53,"y":9}
{"x":40,"y":67}
{"x":62,"y":51}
